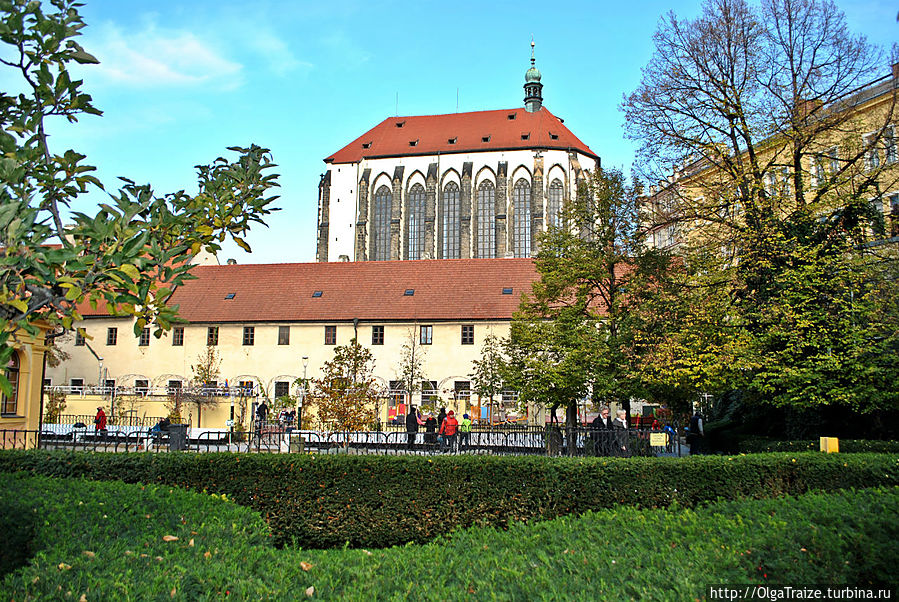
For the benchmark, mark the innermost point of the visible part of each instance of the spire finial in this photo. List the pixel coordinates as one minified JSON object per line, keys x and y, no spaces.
{"x":532,"y":49}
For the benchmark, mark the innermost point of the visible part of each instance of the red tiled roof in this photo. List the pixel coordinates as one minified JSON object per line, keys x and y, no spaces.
{"x":446,"y":289}
{"x":431,"y":134}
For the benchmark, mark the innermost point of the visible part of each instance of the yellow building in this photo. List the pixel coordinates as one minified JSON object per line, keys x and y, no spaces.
{"x":271,"y":324}
{"x":21,"y":410}
{"x":849,"y":149}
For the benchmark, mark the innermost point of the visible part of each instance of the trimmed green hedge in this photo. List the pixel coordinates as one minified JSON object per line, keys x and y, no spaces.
{"x":106,"y":541}
{"x":757,"y":445}
{"x":372,"y":501}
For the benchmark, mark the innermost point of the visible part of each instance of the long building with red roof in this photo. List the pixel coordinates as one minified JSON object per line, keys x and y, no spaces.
{"x":480,"y":184}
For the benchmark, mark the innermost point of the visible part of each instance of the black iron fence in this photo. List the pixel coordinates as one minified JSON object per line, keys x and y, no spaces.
{"x":276,"y":438}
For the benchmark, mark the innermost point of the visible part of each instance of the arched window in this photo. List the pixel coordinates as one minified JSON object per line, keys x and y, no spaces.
{"x":486,"y":220}
{"x":380,"y":227}
{"x":521,"y":227}
{"x":415,"y":223}
{"x":9,"y":403}
{"x":452,"y":241}
{"x":554,"y":204}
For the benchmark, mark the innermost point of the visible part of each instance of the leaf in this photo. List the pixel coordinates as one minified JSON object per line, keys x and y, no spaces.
{"x":169,"y":538}
{"x":305,"y":565}
{"x":64,"y":567}
{"x":310,"y":591}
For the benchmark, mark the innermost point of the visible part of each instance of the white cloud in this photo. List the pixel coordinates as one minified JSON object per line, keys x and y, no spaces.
{"x":154,"y":58}
{"x":276,"y":53}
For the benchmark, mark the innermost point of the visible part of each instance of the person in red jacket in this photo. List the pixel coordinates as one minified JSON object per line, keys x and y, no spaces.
{"x":100,"y":421}
{"x":448,"y":429}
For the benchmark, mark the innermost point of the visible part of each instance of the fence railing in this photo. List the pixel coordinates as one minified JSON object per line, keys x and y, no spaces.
{"x":148,"y":391}
{"x":276,"y":438}
{"x":118,"y":420}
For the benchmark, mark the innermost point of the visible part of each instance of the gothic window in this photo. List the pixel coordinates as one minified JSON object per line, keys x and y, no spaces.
{"x":451,"y":230}
{"x":521,"y":228}
{"x":486,"y":246}
{"x":415,"y":223}
{"x":554,"y":205}
{"x":380,"y":227}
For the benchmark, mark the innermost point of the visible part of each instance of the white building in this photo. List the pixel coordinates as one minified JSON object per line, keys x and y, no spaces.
{"x":463,"y":185}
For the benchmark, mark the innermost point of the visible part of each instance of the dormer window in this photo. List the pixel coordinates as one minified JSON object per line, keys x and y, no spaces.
{"x":485,"y":139}
{"x":553,"y":136}
{"x":366,"y":145}
{"x":451,"y":141}
{"x":400,"y":124}
{"x":507,"y":290}
{"x":526,"y":136}
{"x":409,"y":292}
{"x":511,"y":116}
{"x":316,"y":294}
{"x":413,"y":143}
{"x":230,"y":296}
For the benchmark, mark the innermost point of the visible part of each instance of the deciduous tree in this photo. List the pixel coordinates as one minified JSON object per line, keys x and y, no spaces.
{"x":347,"y":394}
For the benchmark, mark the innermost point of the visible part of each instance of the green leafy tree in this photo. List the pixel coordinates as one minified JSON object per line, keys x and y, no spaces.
{"x":135,"y":249}
{"x":487,"y":376}
{"x":747,"y":106}
{"x":347,"y":394}
{"x":410,"y":369}
{"x":572,"y":337}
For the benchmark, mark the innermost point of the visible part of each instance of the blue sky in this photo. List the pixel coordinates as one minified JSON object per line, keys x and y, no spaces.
{"x":181,"y":81}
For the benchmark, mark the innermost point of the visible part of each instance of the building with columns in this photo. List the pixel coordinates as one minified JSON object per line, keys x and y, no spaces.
{"x":464,"y":185}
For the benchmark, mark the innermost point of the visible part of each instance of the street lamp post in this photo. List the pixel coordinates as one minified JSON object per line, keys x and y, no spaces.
{"x":303,"y":394}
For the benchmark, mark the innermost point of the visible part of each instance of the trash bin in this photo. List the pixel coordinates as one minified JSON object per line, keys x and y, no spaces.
{"x":177,"y":437}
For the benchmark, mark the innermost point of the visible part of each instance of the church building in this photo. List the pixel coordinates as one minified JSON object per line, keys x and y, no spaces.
{"x":464,"y":185}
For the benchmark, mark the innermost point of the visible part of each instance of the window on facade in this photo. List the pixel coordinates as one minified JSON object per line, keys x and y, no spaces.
{"x":426,"y":335}
{"x":890,"y":153}
{"x":397,"y":393}
{"x":178,"y":336}
{"x":452,"y":241}
{"x":554,"y":204}
{"x":282,"y":388}
{"x":144,"y":337}
{"x":212,"y":335}
{"x":428,"y":391}
{"x":468,"y":334}
{"x":109,"y":386}
{"x":380,"y":227}
{"x":330,"y":335}
{"x":486,"y":247}
{"x":819,"y":173}
{"x":377,"y":335}
{"x":521,"y":227}
{"x":872,"y":157}
{"x":141,"y":387}
{"x":415,"y":223}
{"x":249,"y":335}
{"x":462,"y":389}
{"x":79,"y":339}
{"x":76,"y":384}
{"x":876,"y":209}
{"x":9,"y":404}
{"x":173,"y":386}
{"x":833,"y":159}
{"x":246,"y":387}
{"x":894,"y":214}
{"x":284,"y":335}
{"x":112,"y":335}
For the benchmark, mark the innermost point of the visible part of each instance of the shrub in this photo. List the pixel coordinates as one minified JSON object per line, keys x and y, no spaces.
{"x":377,"y":501}
{"x":755,"y":445}
{"x":107,"y":541}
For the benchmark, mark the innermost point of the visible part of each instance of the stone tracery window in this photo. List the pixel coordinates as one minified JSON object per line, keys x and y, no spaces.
{"x":380,"y":227}
{"x":452,"y":243}
{"x":486,"y":235}
{"x":415,"y":223}
{"x":521,"y":226}
{"x":554,"y":204}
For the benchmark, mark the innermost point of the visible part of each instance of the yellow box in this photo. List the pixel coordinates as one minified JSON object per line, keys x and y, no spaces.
{"x":830,"y":444}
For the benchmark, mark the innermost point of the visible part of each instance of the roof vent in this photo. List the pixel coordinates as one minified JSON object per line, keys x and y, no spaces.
{"x":507,"y":290}
{"x":526,"y":136}
{"x":553,"y":136}
{"x":451,"y":141}
{"x":409,"y":292}
{"x":366,"y":145}
{"x":400,"y":124}
{"x":413,"y":143}
{"x":230,"y":295}
{"x":317,"y":294}
{"x":485,"y":139}
{"x":511,"y":116}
